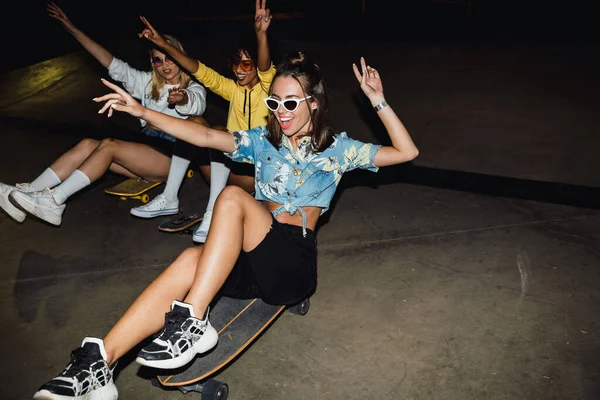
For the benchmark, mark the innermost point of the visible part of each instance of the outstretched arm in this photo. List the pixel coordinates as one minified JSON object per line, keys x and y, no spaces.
{"x":188,"y":131}
{"x":402,"y":149}
{"x":186,"y":62}
{"x":99,"y":52}
{"x":262,"y":21}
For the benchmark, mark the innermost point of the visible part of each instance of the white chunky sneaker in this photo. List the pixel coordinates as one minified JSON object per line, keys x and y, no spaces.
{"x":5,"y":203}
{"x":182,"y":337}
{"x":41,"y":204}
{"x":25,"y":187}
{"x":87,"y":377}
{"x":201,"y":232}
{"x":156,"y":207}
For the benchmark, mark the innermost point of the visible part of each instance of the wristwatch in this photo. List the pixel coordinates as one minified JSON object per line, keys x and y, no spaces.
{"x":380,"y":106}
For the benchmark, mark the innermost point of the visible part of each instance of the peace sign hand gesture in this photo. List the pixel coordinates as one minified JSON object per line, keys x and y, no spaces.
{"x":370,"y":82}
{"x":262,"y":16}
{"x":120,"y":100}
{"x":152,"y":34}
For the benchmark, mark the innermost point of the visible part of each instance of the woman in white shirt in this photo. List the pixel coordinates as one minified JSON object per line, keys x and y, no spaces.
{"x":167,"y":89}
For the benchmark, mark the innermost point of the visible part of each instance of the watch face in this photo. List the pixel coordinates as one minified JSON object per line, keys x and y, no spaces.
{"x":380,"y":106}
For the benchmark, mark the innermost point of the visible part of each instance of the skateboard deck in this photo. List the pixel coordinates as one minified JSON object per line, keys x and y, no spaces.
{"x":183,"y":224}
{"x":239,"y":323}
{"x":133,"y":189}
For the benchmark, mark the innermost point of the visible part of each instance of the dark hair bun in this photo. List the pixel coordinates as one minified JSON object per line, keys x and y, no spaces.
{"x":300,"y":61}
{"x":296,"y":57}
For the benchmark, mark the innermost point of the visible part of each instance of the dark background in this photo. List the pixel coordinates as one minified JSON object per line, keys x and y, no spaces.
{"x":30,"y":36}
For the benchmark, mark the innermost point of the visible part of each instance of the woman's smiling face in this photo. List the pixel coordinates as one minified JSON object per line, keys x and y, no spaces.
{"x":246,"y":76}
{"x":297,"y":122}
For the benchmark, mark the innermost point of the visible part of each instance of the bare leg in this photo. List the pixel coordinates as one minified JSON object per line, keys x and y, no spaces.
{"x":82,"y":151}
{"x":246,"y":182}
{"x":205,"y":172}
{"x":140,"y":159}
{"x":146,"y":315}
{"x":117,"y":169}
{"x":239,"y":223}
{"x":74,"y":157}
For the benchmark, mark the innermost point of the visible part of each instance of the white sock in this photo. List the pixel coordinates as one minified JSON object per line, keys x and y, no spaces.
{"x":177,"y":172}
{"x":219,"y":173}
{"x":73,"y":184}
{"x":48,"y":179}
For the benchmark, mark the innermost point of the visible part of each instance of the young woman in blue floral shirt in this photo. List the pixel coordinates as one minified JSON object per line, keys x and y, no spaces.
{"x":298,"y":161}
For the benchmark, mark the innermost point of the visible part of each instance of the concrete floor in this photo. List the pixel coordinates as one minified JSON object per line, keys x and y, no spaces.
{"x":436,"y":281}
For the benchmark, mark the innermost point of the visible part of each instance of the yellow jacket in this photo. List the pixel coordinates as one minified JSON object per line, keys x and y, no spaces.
{"x":247,"y":108}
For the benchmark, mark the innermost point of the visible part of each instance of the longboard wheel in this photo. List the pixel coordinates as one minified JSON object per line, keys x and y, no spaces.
{"x":190,"y":173}
{"x":300,"y":308}
{"x":145,"y":198}
{"x":214,"y":390}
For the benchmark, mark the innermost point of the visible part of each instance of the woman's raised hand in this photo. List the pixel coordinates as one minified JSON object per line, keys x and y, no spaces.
{"x":120,"y":100}
{"x":262,"y":16}
{"x":152,"y":34}
{"x":56,"y":12}
{"x":370,"y":82}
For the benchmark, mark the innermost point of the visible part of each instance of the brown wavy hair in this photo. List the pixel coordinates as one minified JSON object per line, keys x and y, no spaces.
{"x":300,"y":66}
{"x":157,"y":81}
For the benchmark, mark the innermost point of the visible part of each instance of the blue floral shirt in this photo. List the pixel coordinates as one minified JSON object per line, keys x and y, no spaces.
{"x":299,"y":178}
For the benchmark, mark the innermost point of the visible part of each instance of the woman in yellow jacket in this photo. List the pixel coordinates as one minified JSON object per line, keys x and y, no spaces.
{"x":247,"y":108}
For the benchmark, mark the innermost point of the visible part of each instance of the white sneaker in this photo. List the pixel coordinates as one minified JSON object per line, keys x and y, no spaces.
{"x":41,"y":204}
{"x":6,"y":204}
{"x":201,"y":232}
{"x":87,"y":376}
{"x":156,"y":207}
{"x":182,"y":337}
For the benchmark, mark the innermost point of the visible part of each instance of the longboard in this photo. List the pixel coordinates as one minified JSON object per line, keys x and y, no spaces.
{"x":133,"y":189}
{"x":183,"y":224}
{"x":239,"y":323}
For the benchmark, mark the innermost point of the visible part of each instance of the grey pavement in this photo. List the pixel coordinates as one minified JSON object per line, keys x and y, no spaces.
{"x":472,"y":273}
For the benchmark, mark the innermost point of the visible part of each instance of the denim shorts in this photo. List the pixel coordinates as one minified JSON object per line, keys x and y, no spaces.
{"x":281,"y":270}
{"x":155,"y":133}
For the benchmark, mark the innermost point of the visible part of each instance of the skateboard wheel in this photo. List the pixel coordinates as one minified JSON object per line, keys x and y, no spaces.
{"x":190,"y":173}
{"x":300,"y":308}
{"x":214,"y":390}
{"x":145,"y":198}
{"x":123,"y":198}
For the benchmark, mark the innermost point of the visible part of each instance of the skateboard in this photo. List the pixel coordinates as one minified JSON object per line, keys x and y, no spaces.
{"x":184,"y":224}
{"x":136,"y":188}
{"x":239,"y":323}
{"x":133,"y":189}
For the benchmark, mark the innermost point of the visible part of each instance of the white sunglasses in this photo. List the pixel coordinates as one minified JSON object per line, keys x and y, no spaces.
{"x":290,"y":105}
